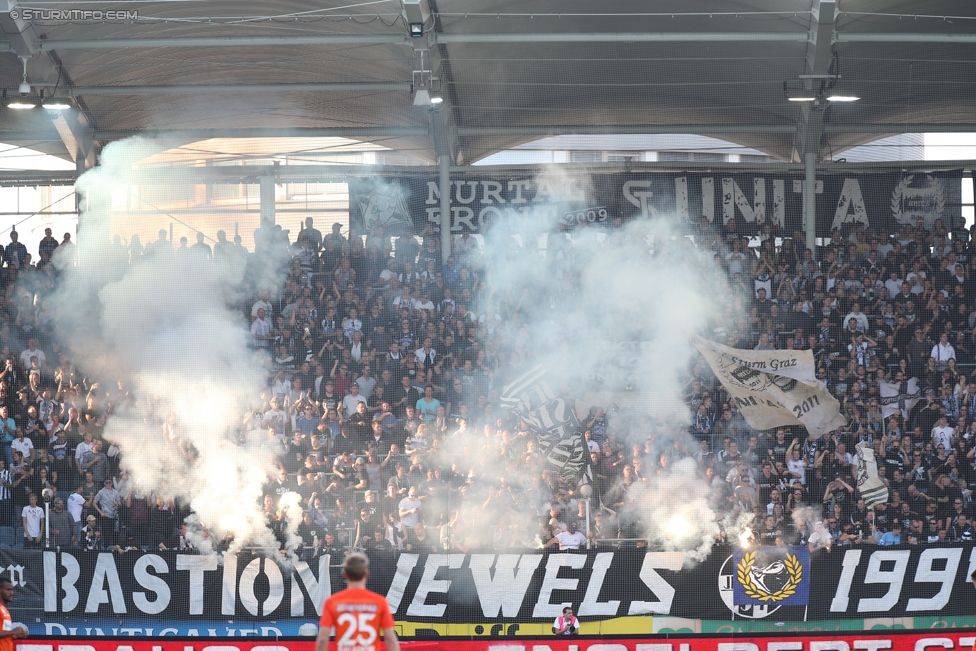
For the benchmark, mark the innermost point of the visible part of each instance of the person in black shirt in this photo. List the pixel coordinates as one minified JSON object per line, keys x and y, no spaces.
{"x":895,"y":459}
{"x":766,"y":482}
{"x":357,"y":427}
{"x":961,"y":530}
{"x":296,"y":449}
{"x":312,"y":535}
{"x":405,"y":396}
{"x":330,"y":548}
{"x":859,"y":516}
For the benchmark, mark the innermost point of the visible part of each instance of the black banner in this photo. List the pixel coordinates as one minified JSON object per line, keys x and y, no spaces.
{"x":478,"y":588}
{"x":402,"y":204}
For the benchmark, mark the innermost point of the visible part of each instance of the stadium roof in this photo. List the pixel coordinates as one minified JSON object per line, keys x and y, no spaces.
{"x":509,"y":72}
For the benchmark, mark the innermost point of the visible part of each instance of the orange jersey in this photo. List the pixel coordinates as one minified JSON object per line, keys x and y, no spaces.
{"x":7,"y":643}
{"x":358,"y":616}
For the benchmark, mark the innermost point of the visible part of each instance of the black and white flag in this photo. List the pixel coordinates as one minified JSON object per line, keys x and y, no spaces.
{"x":555,"y":425}
{"x":899,"y":397}
{"x":872,"y":489}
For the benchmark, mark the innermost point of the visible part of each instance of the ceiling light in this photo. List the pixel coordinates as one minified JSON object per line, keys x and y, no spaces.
{"x":21,"y":104}
{"x":798,"y":94}
{"x":416,"y":30}
{"x":24,"y":88}
{"x":436,"y":99}
{"x":842,"y":98}
{"x":57,"y":106}
{"x":422,"y":97}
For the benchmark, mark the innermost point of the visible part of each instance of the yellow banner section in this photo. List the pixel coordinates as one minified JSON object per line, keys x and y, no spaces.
{"x":616,"y":626}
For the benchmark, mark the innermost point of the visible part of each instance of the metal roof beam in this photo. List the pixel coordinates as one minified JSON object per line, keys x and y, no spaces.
{"x":206,"y":89}
{"x":627,"y":37}
{"x":562,"y":130}
{"x":368,"y":133}
{"x":810,"y":126}
{"x":903,"y":37}
{"x":403,"y":39}
{"x":77,"y":134}
{"x":222,"y":41}
{"x":400,"y":39}
{"x":354,"y":133}
{"x":311,"y":173}
{"x":20,"y":32}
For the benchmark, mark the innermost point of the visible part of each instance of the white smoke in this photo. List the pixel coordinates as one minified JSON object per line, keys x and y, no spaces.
{"x":643,"y":287}
{"x":173,"y":331}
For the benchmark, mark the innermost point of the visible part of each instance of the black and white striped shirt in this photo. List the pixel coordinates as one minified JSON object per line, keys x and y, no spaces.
{"x":5,"y":481}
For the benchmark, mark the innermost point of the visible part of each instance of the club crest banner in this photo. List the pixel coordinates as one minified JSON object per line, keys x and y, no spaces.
{"x":771,"y":575}
{"x":774,"y":388}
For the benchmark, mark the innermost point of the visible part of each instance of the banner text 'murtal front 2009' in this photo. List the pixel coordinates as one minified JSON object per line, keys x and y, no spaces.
{"x":612,"y":591}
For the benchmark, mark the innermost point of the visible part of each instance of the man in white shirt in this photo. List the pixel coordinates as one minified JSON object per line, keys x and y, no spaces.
{"x":32,"y":351}
{"x":410,"y":508}
{"x":820,"y":538}
{"x":942,"y":434}
{"x":352,"y":324}
{"x":275,"y":416}
{"x":735,"y":259}
{"x":425,"y":355}
{"x":261,"y":304}
{"x":33,"y":521}
{"x":387,"y":274}
{"x":81,"y":450}
{"x":350,"y":402}
{"x":23,"y":445}
{"x":76,"y":504}
{"x":860,"y":317}
{"x":366,"y":383}
{"x":261,"y":329}
{"x":943,"y":351}
{"x":894,"y":283}
{"x":569,"y":539}
{"x":424,"y":302}
{"x":464,"y":245}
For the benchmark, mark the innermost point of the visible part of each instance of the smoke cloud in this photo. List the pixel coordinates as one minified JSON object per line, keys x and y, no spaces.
{"x":595,"y":295}
{"x":172,"y":331}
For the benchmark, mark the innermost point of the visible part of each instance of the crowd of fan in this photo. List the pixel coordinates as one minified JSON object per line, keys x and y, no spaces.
{"x":382,"y":401}
{"x":894,"y":306}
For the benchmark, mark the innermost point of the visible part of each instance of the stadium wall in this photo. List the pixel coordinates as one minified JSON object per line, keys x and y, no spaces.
{"x":614,"y":592}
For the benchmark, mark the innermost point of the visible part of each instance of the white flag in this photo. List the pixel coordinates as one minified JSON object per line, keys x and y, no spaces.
{"x":872,"y":489}
{"x":774,"y":387}
{"x":897,"y":398}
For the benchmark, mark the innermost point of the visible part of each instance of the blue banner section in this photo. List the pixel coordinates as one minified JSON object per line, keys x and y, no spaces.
{"x":136,"y":627}
{"x":771,"y":575}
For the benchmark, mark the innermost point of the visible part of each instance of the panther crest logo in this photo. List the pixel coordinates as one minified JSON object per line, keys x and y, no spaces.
{"x":774,"y":582}
{"x":386,"y":207}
